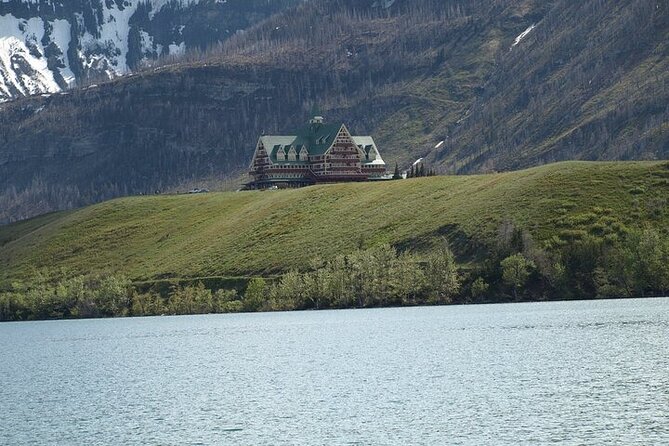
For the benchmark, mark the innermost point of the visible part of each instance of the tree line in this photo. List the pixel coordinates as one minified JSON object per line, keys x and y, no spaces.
{"x":366,"y":278}
{"x":515,"y":268}
{"x":634,"y":264}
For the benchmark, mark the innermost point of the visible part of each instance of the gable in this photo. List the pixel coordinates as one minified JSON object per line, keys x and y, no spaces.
{"x":256,"y":153}
{"x":344,"y":136}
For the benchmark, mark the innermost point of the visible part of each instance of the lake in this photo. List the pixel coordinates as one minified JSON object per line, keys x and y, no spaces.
{"x":586,"y":372}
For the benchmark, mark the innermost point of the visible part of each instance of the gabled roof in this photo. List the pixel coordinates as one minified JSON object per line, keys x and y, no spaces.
{"x":367,"y":142}
{"x":270,"y":141}
{"x":273,"y":143}
{"x":317,"y":138}
{"x":364,"y":141}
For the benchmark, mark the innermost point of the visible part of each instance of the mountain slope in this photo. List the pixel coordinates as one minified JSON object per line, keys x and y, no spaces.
{"x":47,"y":46}
{"x":448,"y":80}
{"x":589,"y":81}
{"x":233,"y":234}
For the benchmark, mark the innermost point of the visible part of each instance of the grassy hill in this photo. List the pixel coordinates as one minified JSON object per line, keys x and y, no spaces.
{"x":263,"y":233}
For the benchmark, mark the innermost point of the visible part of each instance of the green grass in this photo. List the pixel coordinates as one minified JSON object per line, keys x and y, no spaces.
{"x":248,"y":233}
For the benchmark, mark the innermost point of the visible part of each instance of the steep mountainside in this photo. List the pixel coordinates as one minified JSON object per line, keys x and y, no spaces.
{"x":588,"y":81}
{"x":48,"y":45}
{"x":473,"y":85}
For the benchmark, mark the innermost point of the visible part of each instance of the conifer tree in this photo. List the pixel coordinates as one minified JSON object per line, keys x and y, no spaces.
{"x":396,"y":175}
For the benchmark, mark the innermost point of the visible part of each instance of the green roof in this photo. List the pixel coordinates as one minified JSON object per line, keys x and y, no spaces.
{"x":316,"y":137}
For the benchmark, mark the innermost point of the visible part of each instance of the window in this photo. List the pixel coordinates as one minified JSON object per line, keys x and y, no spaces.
{"x":280,"y":154}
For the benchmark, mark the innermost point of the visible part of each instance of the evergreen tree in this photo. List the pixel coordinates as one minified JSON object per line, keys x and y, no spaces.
{"x":422,"y":170}
{"x":396,"y":175}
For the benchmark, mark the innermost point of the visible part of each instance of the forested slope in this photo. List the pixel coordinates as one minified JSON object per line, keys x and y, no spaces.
{"x":590,"y":81}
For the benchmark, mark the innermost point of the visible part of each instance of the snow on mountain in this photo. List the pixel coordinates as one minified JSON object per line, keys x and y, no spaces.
{"x":23,"y":66}
{"x":34,"y":54}
{"x":48,"y":45}
{"x":523,"y":34}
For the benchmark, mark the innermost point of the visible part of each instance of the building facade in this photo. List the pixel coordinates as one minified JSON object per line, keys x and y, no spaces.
{"x":319,"y":153}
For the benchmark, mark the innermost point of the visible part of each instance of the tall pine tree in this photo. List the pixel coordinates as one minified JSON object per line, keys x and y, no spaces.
{"x":396,"y":175}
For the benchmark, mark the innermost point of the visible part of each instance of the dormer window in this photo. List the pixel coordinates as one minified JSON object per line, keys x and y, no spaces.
{"x":304,"y":154}
{"x":292,"y":154}
{"x":280,"y":154}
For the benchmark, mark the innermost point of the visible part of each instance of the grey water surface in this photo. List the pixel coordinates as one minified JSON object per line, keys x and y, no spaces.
{"x":581,"y":373}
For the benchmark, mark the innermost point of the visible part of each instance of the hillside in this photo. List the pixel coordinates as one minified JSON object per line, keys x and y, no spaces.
{"x":247,"y":233}
{"x":588,"y":81}
{"x":412,"y":74}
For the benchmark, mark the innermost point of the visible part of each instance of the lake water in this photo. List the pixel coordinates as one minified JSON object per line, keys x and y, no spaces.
{"x":585,"y":373}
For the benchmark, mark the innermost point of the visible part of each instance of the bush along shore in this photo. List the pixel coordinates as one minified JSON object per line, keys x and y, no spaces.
{"x":634,"y":264}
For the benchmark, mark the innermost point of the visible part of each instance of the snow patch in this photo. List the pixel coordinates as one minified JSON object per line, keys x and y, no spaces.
{"x":60,"y":35}
{"x":23,"y":67}
{"x":522,"y":35}
{"x":383,"y":4}
{"x":177,"y":50}
{"x":146,"y":42}
{"x":23,"y":64}
{"x":157,"y":5}
{"x":114,"y":33}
